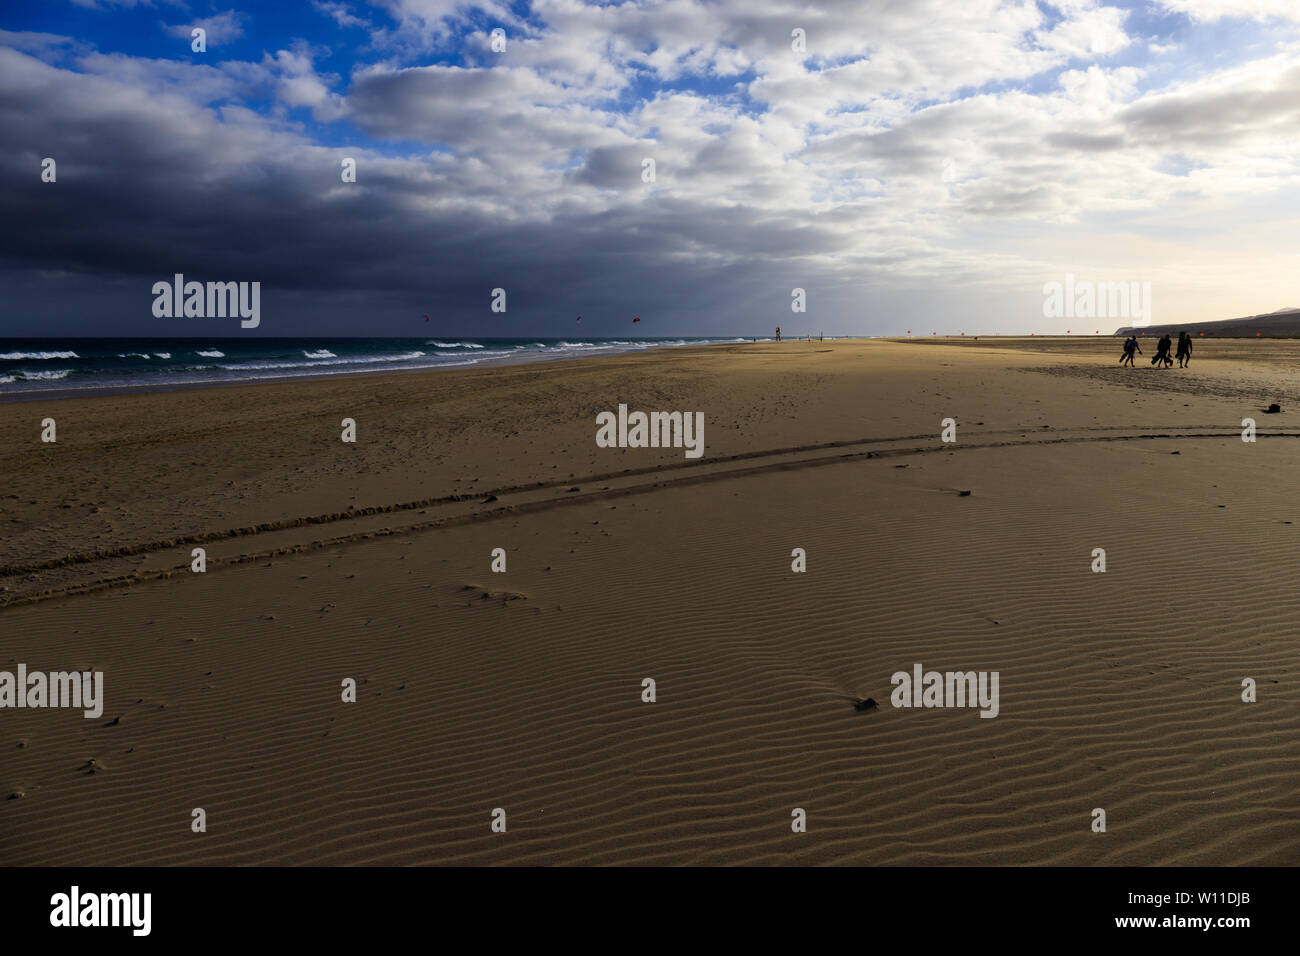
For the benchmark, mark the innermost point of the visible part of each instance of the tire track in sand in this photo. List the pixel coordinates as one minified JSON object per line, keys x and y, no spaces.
{"x":102,"y":569}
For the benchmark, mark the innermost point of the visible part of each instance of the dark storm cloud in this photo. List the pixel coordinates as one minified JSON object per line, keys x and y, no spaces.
{"x":148,"y":186}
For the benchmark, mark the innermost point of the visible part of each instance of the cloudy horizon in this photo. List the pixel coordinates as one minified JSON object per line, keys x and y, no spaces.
{"x":910,"y":166}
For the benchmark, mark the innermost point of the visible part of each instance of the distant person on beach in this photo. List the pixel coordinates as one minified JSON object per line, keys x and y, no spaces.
{"x":778,"y":333}
{"x":1130,"y":346}
{"x":1184,"y":349}
{"x":1161,"y":358}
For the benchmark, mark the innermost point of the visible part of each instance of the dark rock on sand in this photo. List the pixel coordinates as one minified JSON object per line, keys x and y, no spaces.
{"x":868,"y":704}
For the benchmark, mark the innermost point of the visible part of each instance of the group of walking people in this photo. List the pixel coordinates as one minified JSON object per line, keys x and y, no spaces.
{"x":1161,"y":359}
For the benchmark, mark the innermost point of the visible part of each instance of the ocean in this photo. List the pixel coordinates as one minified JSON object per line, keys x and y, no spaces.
{"x":35,"y":367}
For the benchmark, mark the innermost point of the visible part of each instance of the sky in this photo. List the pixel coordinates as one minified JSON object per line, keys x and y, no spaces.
{"x":923,"y":166}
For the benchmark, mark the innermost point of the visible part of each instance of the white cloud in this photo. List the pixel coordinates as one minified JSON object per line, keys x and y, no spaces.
{"x":220,"y":28}
{"x":987,"y":142}
{"x":341,"y":14}
{"x":1208,"y":11}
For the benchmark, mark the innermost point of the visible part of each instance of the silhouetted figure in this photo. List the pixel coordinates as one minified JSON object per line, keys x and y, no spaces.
{"x":1184,"y":349}
{"x":778,"y":333}
{"x":1130,"y":347}
{"x":1161,"y":359}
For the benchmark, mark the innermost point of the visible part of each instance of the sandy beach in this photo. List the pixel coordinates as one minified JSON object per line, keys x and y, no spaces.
{"x":523,"y":690}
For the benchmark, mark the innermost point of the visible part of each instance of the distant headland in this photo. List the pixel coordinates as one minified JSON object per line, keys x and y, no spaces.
{"x":1282,"y":323}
